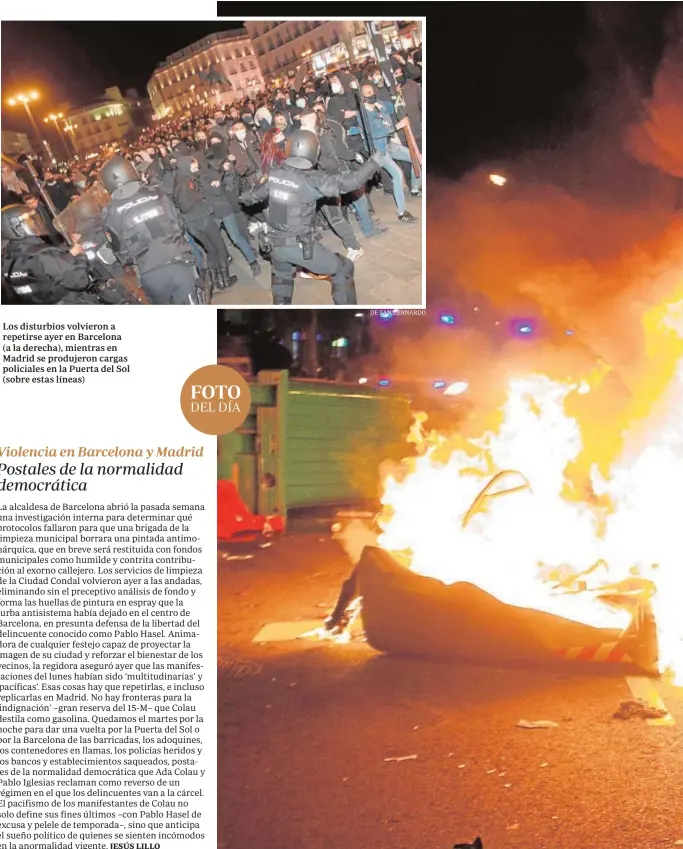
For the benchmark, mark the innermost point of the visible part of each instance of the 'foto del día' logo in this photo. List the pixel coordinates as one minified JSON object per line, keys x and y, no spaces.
{"x":215,"y":399}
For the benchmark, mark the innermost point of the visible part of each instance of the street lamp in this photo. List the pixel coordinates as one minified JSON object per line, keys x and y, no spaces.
{"x":71,"y":128}
{"x":25,"y":100}
{"x":55,"y":120}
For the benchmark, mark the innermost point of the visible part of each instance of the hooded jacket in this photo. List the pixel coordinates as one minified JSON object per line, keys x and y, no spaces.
{"x":222,"y":200}
{"x":344,"y":101}
{"x":335,"y":154}
{"x":247,"y":158}
{"x":188,"y":192}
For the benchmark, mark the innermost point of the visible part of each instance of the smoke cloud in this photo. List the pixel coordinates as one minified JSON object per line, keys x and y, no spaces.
{"x":588,"y":236}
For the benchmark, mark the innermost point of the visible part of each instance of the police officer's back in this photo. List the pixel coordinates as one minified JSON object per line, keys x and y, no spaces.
{"x":36,"y":272}
{"x":293,"y":190}
{"x":143,"y":227}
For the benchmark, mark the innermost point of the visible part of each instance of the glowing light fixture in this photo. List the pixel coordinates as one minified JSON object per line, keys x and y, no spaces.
{"x":457,"y":388}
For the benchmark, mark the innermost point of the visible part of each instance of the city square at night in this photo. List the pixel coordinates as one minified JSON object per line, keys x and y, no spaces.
{"x":280,"y":162}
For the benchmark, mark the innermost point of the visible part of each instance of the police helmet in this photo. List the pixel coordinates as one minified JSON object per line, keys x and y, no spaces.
{"x":116,"y":172}
{"x":302,"y":149}
{"x":19,"y":221}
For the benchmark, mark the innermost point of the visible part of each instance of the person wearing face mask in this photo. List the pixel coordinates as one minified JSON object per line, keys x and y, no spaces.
{"x":59,"y":191}
{"x":382,"y":127}
{"x":280,"y":101}
{"x":336,"y":156}
{"x":381,"y":89}
{"x":247,"y":118}
{"x":247,"y":158}
{"x":144,"y":231}
{"x":220,"y":185}
{"x":263,"y":118}
{"x":201,"y":143}
{"x":293,"y":190}
{"x":330,"y":160}
{"x":300,"y":103}
{"x":191,"y":199}
{"x":155,"y":170}
{"x":341,"y":106}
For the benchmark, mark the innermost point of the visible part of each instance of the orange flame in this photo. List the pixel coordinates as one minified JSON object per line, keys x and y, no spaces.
{"x":545,"y":534}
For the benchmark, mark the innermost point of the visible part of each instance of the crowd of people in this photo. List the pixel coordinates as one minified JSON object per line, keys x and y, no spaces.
{"x":265,"y":176}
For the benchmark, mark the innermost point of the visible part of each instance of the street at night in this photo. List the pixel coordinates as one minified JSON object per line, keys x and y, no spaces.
{"x":461,"y":632}
{"x":306,"y":728}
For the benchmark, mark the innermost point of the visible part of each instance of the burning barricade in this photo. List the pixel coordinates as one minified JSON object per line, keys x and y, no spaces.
{"x":475,"y":561}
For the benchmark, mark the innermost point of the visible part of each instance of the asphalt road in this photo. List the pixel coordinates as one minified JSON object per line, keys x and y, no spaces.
{"x":305,"y":728}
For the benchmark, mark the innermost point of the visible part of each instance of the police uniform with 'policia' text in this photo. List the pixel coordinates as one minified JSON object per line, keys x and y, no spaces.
{"x":144,"y":230}
{"x":293,"y":190}
{"x":34,"y":272}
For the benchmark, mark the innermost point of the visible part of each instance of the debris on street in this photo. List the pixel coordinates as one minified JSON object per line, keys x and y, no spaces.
{"x":639,"y":709}
{"x":539,"y":723}
{"x":400,"y":759}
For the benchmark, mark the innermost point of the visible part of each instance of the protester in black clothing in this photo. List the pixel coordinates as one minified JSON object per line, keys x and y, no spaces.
{"x":334,"y":146}
{"x":243,"y":147}
{"x":220,"y":184}
{"x":190,"y":198}
{"x":154,"y":174}
{"x":334,"y":158}
{"x":59,"y":190}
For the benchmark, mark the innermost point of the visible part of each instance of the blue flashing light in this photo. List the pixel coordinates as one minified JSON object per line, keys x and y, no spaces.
{"x":568,"y":332}
{"x":447,"y":318}
{"x":523,"y":327}
{"x":439,"y":384}
{"x":319,"y":337}
{"x":384,"y":382}
{"x":296,"y":336}
{"x":386,"y":315}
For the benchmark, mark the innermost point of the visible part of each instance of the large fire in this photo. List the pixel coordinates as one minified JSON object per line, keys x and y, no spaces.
{"x":543,"y":535}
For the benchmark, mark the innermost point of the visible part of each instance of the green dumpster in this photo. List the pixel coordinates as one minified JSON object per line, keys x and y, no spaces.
{"x":310,"y":443}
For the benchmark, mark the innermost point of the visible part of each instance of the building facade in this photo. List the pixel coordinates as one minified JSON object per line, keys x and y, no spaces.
{"x":281,"y":46}
{"x":14,"y":143}
{"x":107,"y":122}
{"x":211,"y":72}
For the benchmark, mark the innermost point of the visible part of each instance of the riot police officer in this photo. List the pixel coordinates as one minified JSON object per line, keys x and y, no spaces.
{"x":143,"y":228}
{"x":35,"y":272}
{"x":293,"y":190}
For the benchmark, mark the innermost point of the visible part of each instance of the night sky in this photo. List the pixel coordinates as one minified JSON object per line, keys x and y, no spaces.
{"x":75,"y":62}
{"x":503,"y":77}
